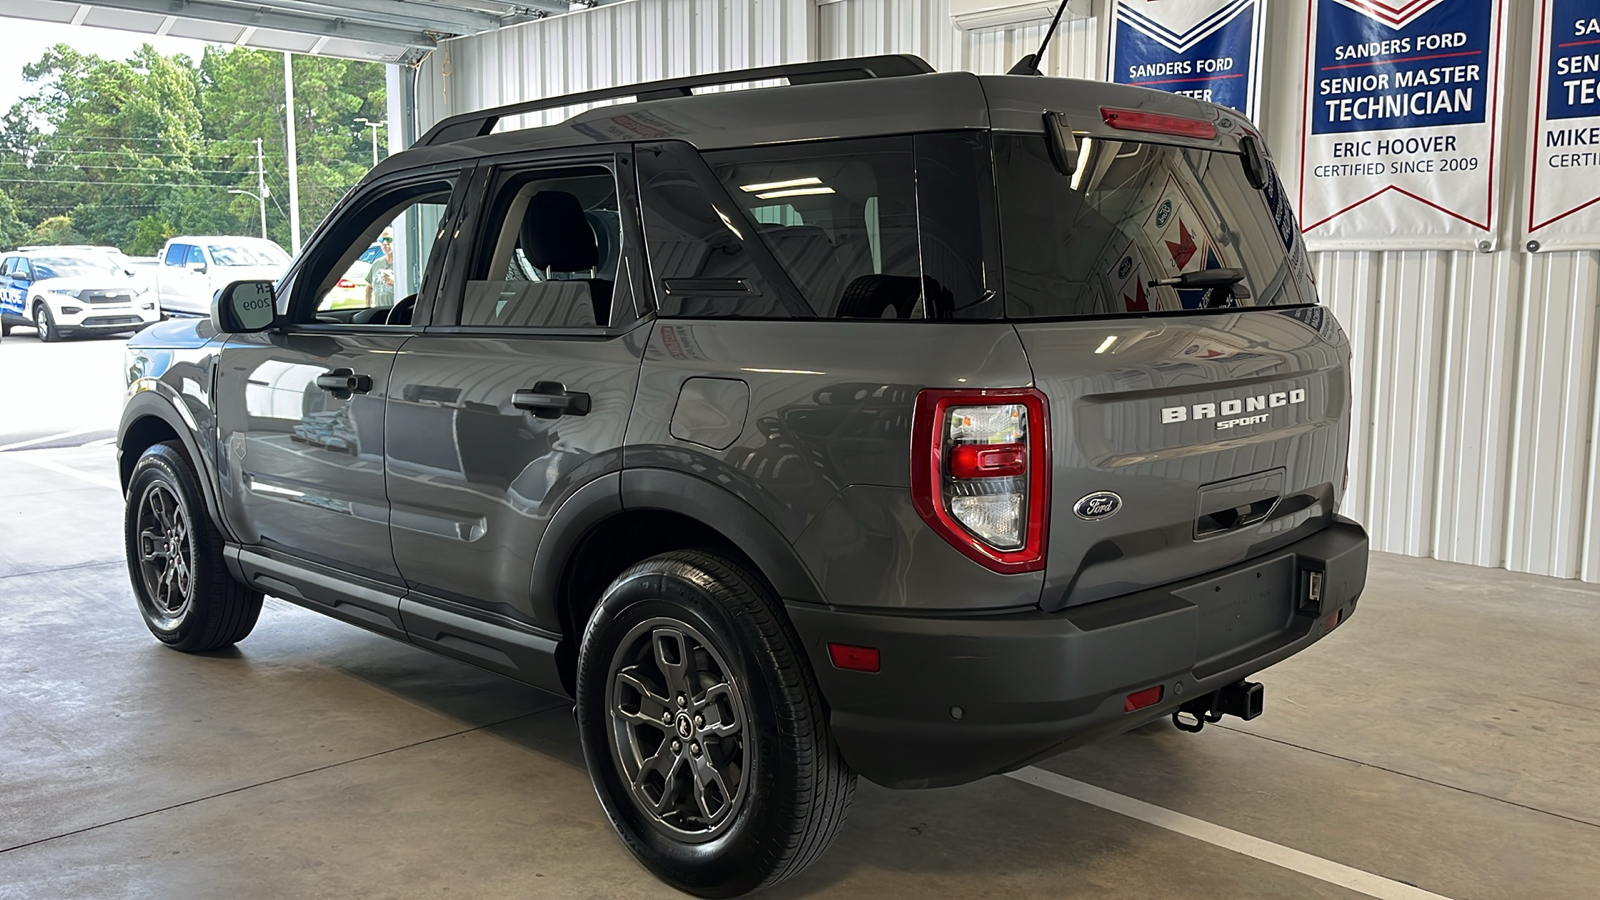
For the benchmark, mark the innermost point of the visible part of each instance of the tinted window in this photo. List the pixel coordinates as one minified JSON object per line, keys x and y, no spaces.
{"x":1135,"y":228}
{"x":550,"y":252}
{"x":839,"y":216}
{"x":196,"y":255}
{"x":704,"y":251}
{"x":177,"y":254}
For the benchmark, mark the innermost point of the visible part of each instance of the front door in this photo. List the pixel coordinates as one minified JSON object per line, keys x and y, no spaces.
{"x":519,"y":395}
{"x":301,"y":407}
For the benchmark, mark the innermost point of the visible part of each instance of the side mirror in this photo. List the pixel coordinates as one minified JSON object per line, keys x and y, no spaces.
{"x":197,"y":267}
{"x":244,"y":307}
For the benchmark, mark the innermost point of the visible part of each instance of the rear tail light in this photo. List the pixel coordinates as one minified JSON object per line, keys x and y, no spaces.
{"x":1158,"y":123}
{"x":980,"y":473}
{"x":346,"y":283}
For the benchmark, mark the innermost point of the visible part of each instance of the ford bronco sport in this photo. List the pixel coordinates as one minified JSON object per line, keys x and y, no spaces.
{"x":889,"y":422}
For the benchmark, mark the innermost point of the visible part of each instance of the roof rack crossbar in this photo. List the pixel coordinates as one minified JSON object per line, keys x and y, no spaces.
{"x":478,"y":124}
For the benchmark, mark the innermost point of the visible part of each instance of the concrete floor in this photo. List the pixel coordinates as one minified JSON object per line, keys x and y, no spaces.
{"x":1446,"y":738}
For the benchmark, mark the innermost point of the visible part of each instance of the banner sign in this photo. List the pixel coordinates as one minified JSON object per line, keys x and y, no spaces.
{"x":1564,"y":184}
{"x":1206,"y":49}
{"x":1401,"y":115}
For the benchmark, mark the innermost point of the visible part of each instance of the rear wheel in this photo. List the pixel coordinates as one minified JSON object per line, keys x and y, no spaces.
{"x":703,"y":728}
{"x":45,"y":324}
{"x":5,"y":329}
{"x":185,"y":594}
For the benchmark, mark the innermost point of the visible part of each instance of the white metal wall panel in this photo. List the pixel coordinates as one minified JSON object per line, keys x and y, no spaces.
{"x":1475,"y":437}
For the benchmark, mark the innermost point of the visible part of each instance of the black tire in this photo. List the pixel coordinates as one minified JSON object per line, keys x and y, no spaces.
{"x":5,"y":329}
{"x":45,"y":323}
{"x":189,"y":602}
{"x":793,"y":787}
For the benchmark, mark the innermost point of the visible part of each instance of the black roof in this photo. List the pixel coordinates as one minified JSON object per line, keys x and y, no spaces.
{"x":836,"y":99}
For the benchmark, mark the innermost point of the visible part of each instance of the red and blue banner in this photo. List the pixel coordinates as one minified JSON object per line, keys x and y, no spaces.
{"x":1206,"y":49}
{"x":1402,"y":108}
{"x":1564,"y":181}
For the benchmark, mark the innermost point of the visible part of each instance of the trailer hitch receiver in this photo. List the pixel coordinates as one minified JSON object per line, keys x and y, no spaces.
{"x":1242,"y":698}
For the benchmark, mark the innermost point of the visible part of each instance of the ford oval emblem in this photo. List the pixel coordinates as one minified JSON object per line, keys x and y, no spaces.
{"x":1098,"y":505}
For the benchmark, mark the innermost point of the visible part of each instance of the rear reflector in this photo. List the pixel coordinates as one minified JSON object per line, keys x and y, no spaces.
{"x":1333,"y":621}
{"x":1141,"y":699}
{"x":852,"y":658}
{"x":1157,"y":123}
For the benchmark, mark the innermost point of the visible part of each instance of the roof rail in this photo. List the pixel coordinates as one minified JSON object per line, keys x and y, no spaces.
{"x":478,"y":124}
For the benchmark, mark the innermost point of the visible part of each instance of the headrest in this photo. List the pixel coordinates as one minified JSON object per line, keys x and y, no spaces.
{"x":555,"y":234}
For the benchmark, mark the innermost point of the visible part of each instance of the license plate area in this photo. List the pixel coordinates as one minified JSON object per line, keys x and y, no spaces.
{"x":1241,"y":608}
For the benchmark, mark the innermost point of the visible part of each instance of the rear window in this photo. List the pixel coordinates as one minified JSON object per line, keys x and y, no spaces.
{"x":1141,"y":227}
{"x":827,"y":229}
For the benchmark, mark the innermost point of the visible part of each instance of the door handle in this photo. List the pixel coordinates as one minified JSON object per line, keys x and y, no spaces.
{"x":341,"y":383}
{"x":551,"y":400}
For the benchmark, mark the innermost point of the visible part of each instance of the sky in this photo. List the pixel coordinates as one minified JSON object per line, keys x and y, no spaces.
{"x":26,"y":40}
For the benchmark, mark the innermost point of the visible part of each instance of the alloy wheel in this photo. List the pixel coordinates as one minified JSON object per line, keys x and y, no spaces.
{"x":41,"y":322}
{"x":166,"y":555}
{"x":680,"y":729}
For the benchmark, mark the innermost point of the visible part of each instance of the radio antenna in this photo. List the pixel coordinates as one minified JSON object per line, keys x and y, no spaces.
{"x":1029,"y":65}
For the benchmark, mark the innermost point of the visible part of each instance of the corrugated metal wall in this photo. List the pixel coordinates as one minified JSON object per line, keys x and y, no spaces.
{"x":1475,"y":438}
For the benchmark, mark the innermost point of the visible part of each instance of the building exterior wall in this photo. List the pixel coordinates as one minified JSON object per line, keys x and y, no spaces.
{"x":1475,"y":438}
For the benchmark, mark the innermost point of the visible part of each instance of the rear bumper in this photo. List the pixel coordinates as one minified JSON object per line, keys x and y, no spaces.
{"x":1030,"y":684}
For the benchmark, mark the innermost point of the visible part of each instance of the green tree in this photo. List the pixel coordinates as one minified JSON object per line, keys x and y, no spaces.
{"x":55,"y":230}
{"x":12,"y":229}
{"x":137,"y":150}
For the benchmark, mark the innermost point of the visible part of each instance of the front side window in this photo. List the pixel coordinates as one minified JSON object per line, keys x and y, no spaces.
{"x":551,"y":252}
{"x":1141,"y":227}
{"x":404,"y":228}
{"x":197,"y":257}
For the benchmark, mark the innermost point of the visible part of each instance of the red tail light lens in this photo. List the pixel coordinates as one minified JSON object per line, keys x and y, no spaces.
{"x":980,"y":473}
{"x":346,"y":283}
{"x":1157,"y":123}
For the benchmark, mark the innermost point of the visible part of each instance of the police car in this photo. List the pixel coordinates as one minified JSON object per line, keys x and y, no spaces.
{"x":62,"y":291}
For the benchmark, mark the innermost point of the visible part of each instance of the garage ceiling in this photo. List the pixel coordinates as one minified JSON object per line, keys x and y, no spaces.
{"x":390,"y":31}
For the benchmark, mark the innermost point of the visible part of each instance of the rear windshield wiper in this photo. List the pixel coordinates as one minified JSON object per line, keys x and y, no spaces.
{"x":1205,"y":278}
{"x":1224,"y":283}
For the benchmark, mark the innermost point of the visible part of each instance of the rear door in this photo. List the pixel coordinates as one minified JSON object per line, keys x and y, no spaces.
{"x":1212,"y":409}
{"x":516,"y":396}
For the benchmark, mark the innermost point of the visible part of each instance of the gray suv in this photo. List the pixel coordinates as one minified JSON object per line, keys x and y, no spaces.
{"x":889,"y":422}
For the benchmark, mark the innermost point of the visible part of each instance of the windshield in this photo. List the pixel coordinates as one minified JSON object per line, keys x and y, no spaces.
{"x":72,"y":267}
{"x":1142,"y":227}
{"x":247,"y":255}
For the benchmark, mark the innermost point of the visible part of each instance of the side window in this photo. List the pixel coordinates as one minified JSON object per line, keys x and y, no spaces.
{"x":706,"y":256}
{"x":196,"y":255}
{"x":22,"y":269}
{"x":841,"y":218}
{"x":177,"y":254}
{"x":550,"y":251}
{"x":403,"y":228}
{"x":5,"y":267}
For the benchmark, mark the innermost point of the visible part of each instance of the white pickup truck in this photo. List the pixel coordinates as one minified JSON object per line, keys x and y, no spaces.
{"x":194,"y":267}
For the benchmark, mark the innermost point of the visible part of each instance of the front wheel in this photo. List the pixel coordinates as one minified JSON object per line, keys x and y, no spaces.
{"x":45,"y":324}
{"x":185,"y":594}
{"x":703,"y":728}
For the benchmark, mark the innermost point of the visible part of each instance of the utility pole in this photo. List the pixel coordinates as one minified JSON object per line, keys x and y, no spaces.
{"x":294,"y":166}
{"x":261,"y":186}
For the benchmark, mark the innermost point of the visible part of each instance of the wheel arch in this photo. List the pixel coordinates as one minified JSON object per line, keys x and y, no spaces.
{"x":150,"y":419}
{"x":629,"y":516}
